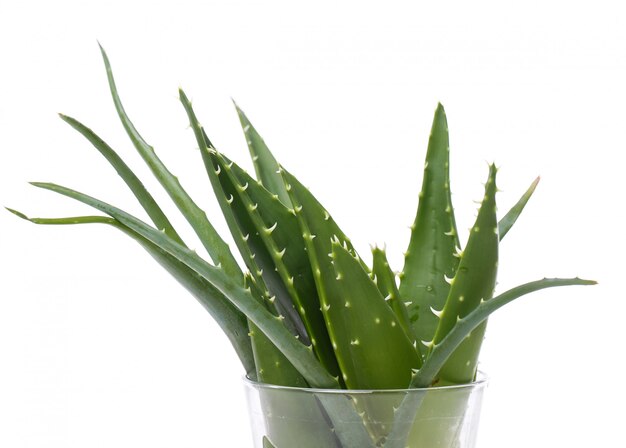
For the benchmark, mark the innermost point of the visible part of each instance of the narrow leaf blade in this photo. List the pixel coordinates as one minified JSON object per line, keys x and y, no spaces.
{"x":509,"y":219}
{"x":279,"y":231}
{"x":248,"y":236}
{"x":229,"y":318}
{"x":448,"y":345}
{"x":386,"y":283}
{"x":430,"y":257}
{"x":132,"y":181}
{"x":300,"y":356}
{"x":373,"y":350}
{"x":265,"y":164}
{"x":474,"y":282}
{"x":271,"y":365}
{"x":213,"y":243}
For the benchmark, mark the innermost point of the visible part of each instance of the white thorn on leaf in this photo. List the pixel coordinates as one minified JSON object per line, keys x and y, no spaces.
{"x":269,"y":230}
{"x":435,"y":312}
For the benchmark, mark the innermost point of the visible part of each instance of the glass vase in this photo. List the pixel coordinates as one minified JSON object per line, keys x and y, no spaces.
{"x":436,"y":417}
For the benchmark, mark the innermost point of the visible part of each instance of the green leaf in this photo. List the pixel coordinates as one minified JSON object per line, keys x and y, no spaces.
{"x":386,"y":281}
{"x":273,"y":243}
{"x":467,"y":324}
{"x":279,"y":231}
{"x":430,"y":257}
{"x":247,"y":233}
{"x":213,"y":243}
{"x":132,"y":181}
{"x":474,"y":282}
{"x":300,"y":356}
{"x":265,"y":164}
{"x":229,"y":318}
{"x":361,"y":326}
{"x":271,"y":365}
{"x":373,"y":350}
{"x":326,"y":220}
{"x":509,"y":219}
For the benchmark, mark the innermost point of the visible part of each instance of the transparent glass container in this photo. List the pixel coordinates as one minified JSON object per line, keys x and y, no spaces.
{"x":437,"y":417}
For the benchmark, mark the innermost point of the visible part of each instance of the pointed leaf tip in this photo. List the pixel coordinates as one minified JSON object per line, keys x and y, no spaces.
{"x":17,"y":213}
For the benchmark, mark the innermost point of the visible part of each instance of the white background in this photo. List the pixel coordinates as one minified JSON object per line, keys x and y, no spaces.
{"x":99,"y":348}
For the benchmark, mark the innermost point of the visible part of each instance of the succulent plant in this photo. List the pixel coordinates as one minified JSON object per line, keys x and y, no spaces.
{"x":307,"y":310}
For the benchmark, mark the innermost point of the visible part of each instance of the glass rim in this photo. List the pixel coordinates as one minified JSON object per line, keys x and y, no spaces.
{"x":481,"y":381}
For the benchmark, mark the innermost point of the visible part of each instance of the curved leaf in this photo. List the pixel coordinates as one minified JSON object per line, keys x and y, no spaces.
{"x":300,"y":356}
{"x":212,"y":242}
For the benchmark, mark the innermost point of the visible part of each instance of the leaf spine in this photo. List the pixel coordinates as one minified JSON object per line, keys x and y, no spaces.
{"x":436,"y":313}
{"x":269,"y":230}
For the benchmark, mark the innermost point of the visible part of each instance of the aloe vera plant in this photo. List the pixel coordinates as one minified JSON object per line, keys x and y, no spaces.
{"x":306,"y":310}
